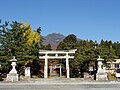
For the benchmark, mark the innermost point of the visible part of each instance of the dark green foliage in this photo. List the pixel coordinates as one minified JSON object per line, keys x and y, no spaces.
{"x":13,"y":43}
{"x":48,"y":47}
{"x":35,"y":67}
{"x":68,"y":43}
{"x":87,"y":53}
{"x":39,"y":30}
{"x":116,"y":46}
{"x":70,"y":38}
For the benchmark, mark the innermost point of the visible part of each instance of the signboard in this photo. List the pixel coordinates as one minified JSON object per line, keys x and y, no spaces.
{"x":91,"y":68}
{"x":27,"y":71}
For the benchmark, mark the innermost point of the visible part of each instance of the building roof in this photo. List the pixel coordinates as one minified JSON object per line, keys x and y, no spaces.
{"x":116,"y":61}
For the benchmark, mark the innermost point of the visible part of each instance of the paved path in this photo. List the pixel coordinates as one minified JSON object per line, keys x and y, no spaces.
{"x":60,"y":84}
{"x":60,"y":87}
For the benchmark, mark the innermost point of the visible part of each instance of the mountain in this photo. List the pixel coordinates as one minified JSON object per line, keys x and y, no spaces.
{"x":54,"y":39}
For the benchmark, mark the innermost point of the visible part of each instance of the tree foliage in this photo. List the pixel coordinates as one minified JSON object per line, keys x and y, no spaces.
{"x":87,"y":53}
{"x":19,"y":40}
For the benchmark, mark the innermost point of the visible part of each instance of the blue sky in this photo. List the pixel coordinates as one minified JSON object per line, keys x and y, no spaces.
{"x":87,"y":19}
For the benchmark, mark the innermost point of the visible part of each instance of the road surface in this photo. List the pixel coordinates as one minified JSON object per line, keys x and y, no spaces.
{"x":62,"y":86}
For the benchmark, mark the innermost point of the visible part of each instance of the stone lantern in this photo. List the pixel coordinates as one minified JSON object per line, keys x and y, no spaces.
{"x":101,"y":74}
{"x":100,"y":65}
{"x":13,"y":76}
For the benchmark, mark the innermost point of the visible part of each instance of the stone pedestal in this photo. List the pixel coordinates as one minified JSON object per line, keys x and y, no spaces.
{"x":101,"y":74}
{"x":13,"y":76}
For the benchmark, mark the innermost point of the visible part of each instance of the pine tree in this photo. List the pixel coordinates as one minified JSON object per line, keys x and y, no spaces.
{"x":20,"y":41}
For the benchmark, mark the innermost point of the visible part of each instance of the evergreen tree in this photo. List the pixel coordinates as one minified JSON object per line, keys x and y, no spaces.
{"x":68,"y":43}
{"x":48,"y":47}
{"x":87,"y":54}
{"x":20,"y":41}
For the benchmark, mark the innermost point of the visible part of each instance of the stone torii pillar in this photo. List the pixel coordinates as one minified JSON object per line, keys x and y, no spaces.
{"x":46,"y":66}
{"x":67,"y":66}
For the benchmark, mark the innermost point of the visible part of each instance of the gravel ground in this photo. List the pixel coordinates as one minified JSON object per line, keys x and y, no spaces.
{"x":60,"y":84}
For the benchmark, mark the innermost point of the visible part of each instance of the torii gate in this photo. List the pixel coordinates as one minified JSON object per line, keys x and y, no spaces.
{"x":56,"y":55}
